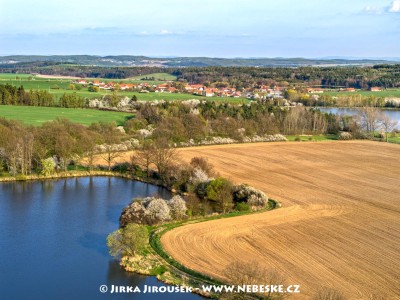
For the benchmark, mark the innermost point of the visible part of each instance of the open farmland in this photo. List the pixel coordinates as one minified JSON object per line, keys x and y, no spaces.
{"x":339,"y":225}
{"x":34,"y":115}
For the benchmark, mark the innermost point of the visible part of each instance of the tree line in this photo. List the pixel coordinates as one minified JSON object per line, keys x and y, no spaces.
{"x":158,"y":127}
{"x":360,"y":77}
{"x":12,"y":95}
{"x":65,"y":69}
{"x":387,"y":76}
{"x":180,"y":122}
{"x":24,"y":149}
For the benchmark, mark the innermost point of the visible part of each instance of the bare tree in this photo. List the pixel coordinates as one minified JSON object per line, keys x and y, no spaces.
{"x":111,"y":136}
{"x":144,"y":156}
{"x":18,"y":151}
{"x":110,"y":154}
{"x":369,"y":119}
{"x":91,"y":157}
{"x":164,"y":157}
{"x":388,"y":125}
{"x":204,"y":164}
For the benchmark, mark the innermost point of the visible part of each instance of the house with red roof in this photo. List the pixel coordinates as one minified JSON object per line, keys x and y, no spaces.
{"x":375,"y":89}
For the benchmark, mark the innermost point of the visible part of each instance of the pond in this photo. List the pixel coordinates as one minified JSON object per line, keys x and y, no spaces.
{"x":392,"y":113}
{"x":53,"y":239}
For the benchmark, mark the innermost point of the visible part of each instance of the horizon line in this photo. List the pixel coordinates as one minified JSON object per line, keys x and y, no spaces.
{"x":219,"y":57}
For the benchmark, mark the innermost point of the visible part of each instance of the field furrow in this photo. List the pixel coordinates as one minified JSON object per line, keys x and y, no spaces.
{"x":339,"y":225}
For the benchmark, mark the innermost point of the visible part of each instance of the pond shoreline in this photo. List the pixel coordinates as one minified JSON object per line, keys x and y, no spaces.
{"x":76,"y":174}
{"x":177,"y":271}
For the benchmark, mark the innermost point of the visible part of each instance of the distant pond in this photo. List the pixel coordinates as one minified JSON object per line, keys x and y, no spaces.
{"x":53,"y":239}
{"x":392,"y":113}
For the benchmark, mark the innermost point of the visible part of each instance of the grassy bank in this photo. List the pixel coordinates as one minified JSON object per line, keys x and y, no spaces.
{"x":395,"y":140}
{"x":73,"y":174}
{"x":310,"y":138}
{"x":174,"y":272}
{"x":155,"y":261}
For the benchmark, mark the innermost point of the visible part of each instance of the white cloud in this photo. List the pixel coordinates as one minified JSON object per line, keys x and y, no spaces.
{"x":395,"y":7}
{"x":165,"y":31}
{"x":372,"y":10}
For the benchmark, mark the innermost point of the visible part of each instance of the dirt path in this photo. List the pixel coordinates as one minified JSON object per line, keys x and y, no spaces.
{"x":339,"y":225}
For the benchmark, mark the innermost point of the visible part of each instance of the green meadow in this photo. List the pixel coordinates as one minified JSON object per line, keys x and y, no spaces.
{"x":384,"y":93}
{"x":36,"y":116}
{"x":157,"y":77}
{"x":309,"y":138}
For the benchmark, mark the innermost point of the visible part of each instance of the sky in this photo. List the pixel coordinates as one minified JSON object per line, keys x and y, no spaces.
{"x":213,"y":28}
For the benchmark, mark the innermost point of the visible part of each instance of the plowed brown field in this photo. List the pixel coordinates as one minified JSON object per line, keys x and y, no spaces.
{"x":339,"y":225}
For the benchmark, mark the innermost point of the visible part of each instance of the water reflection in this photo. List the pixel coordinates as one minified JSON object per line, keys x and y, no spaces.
{"x":53,"y":238}
{"x":95,"y":241}
{"x":116,"y":275}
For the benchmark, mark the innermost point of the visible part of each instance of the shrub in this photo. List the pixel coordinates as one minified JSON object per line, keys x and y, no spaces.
{"x":121,"y":168}
{"x":202,"y":164}
{"x":158,"y":210}
{"x":151,"y":211}
{"x":181,"y":174}
{"x":130,"y":240}
{"x":201,"y":189}
{"x":297,"y":139}
{"x":250,"y":195}
{"x":134,"y":213}
{"x":257,"y":200}
{"x":220,"y":190}
{"x":93,"y":89}
{"x":177,"y":207}
{"x":345,"y":136}
{"x":242,"y":206}
{"x":199,"y":176}
{"x":158,"y":270}
{"x":48,"y":166}
{"x":193,"y":205}
{"x":214,"y":188}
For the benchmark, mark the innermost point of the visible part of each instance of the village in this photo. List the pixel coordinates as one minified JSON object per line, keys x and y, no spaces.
{"x":194,"y":89}
{"x":205,"y":91}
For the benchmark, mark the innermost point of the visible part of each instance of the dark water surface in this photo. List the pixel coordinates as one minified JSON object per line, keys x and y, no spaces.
{"x":53,"y":239}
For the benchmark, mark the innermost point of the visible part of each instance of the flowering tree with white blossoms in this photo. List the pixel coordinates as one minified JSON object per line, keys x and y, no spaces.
{"x":177,"y":207}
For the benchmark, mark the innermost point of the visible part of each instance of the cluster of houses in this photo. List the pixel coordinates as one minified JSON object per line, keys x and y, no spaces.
{"x":255,"y":93}
{"x":112,"y":85}
{"x":195,"y":89}
{"x":201,"y":90}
